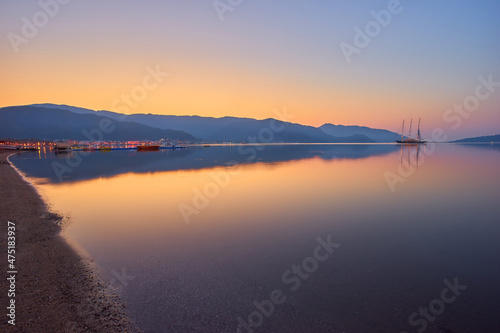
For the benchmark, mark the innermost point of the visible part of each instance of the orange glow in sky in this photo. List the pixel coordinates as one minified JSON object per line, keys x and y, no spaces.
{"x":263,"y":56}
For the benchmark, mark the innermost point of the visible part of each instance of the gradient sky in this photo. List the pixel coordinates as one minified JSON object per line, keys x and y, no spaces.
{"x":263,"y":55}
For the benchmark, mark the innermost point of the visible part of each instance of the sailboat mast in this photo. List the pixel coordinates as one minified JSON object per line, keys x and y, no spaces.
{"x":403,"y":130}
{"x":409,"y":134}
{"x":418,"y":133}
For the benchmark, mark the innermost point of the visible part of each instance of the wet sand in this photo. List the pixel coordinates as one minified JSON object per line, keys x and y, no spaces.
{"x":56,"y":289}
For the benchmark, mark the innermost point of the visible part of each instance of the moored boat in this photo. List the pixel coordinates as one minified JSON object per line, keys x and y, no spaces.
{"x":148,"y":147}
{"x":409,"y":140}
{"x":8,"y":147}
{"x":62,"y":147}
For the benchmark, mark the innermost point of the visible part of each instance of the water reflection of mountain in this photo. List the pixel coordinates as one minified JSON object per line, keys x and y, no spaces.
{"x":98,"y":164}
{"x":485,"y":146}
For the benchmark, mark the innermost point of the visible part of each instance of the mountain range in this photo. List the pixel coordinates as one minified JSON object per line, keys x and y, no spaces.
{"x":480,"y":139}
{"x":31,"y":122}
{"x":51,"y":121}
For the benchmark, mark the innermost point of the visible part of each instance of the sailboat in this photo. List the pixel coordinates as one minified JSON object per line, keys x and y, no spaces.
{"x":409,"y":140}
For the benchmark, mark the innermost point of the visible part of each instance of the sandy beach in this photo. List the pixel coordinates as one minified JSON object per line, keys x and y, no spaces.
{"x":56,"y":290}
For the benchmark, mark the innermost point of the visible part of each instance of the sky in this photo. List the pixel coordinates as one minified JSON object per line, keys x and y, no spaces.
{"x":371,"y":63}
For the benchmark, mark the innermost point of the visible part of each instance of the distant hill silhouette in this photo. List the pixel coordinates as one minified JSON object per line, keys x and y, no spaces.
{"x":24,"y":122}
{"x":378,"y":135}
{"x":487,"y":139}
{"x":248,"y":131}
{"x":225,"y":129}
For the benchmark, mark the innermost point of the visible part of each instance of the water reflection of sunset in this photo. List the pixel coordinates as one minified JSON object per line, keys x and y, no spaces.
{"x":268,"y":214}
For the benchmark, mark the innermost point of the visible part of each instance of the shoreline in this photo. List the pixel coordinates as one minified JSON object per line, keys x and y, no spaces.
{"x":56,"y":288}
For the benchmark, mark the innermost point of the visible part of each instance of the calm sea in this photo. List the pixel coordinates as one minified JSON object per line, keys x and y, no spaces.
{"x":288,"y":238}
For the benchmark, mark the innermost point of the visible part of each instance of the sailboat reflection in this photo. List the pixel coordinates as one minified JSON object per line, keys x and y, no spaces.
{"x":413,"y":154}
